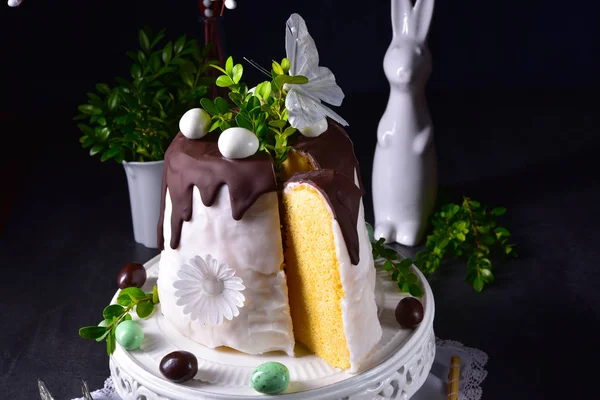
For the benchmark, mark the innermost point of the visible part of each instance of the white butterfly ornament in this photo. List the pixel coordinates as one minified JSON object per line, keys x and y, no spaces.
{"x":304,"y":102}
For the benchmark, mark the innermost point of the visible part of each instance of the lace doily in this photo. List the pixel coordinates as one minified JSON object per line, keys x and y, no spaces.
{"x":472,"y":374}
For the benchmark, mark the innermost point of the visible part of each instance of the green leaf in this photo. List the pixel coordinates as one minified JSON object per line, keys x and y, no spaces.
{"x":102,"y":88}
{"x":498,"y":211}
{"x":501,"y":232}
{"x":187,"y":78}
{"x":395,"y":275}
{"x":144,"y":42}
{"x":229,"y":66}
{"x":155,"y":298}
{"x":388,"y":266}
{"x":415,"y":290}
{"x":289,"y":131}
{"x":144,"y":308}
{"x":113,"y":310}
{"x":221,"y":105}
{"x":215,"y":125}
{"x":285,"y":65}
{"x":97,"y":148}
{"x":89,"y":109}
{"x":92,"y":332}
{"x":263,"y":90}
{"x":111,"y":342}
{"x":404,"y":266}
{"x":278,"y":123}
{"x":411,"y":278}
{"x":167,"y":52}
{"x":244,"y":122}
{"x":277,"y":68}
{"x":474,"y":204}
{"x":238,"y":70}
{"x":478,"y":283}
{"x":179,"y":44}
{"x":103,"y":133}
{"x":298,"y":80}
{"x":113,"y":100}
{"x":209,"y":106}
{"x":86,"y":129}
{"x":224,"y":81}
{"x":136,"y":71}
{"x":124,"y":300}
{"x":133,"y":292}
{"x":237,"y":98}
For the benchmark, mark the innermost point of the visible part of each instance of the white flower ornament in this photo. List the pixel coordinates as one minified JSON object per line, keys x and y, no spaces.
{"x":303,"y":102}
{"x":208,"y":290}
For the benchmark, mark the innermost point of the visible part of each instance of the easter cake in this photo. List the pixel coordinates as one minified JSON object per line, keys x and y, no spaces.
{"x":262,"y":231}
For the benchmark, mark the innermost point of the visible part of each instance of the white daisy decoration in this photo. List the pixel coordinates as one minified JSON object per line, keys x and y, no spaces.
{"x":208,"y":290}
{"x":304,"y":101}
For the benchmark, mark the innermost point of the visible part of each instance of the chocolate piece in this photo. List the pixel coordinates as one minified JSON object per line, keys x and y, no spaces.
{"x":190,"y":163}
{"x":179,"y":366}
{"x":343,"y":196}
{"x":333,"y":149}
{"x":132,"y":274}
{"x":409,"y":312}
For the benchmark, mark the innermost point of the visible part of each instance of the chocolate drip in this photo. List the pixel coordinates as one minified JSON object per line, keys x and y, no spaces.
{"x":343,"y":197}
{"x":190,"y":163}
{"x":333,"y":149}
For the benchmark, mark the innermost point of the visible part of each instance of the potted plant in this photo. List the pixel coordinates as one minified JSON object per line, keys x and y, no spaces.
{"x":134,"y":121}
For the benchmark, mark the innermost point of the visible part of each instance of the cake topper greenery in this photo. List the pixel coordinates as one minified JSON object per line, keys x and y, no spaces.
{"x":466,"y":231}
{"x":136,"y":119}
{"x":289,"y":101}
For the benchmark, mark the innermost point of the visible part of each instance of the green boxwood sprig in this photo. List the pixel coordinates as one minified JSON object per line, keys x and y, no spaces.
{"x":406,"y":280}
{"x":129,"y":299}
{"x":262,"y":111}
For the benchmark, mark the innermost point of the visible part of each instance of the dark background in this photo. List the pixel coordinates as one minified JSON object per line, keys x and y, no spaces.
{"x":513,"y":96}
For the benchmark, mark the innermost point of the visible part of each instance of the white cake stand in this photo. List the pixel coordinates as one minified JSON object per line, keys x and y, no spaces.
{"x":396,"y":369}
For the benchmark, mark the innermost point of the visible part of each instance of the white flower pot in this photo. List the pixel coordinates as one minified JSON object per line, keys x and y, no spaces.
{"x":145,"y":184}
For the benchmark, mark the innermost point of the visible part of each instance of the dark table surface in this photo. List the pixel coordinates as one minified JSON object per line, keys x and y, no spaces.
{"x":66,"y":231}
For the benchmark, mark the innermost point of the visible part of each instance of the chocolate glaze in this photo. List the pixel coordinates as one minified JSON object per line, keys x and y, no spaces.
{"x":343,"y":196}
{"x":190,"y":163}
{"x":333,"y":149}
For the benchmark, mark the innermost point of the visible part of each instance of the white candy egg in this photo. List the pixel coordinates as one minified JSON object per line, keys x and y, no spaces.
{"x":208,"y":13}
{"x":230,"y":4}
{"x":316,"y":129}
{"x":206,"y":3}
{"x":195,"y":123}
{"x":237,"y":143}
{"x":14,"y":3}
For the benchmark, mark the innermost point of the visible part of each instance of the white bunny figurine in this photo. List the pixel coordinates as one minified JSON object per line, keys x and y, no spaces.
{"x":404,"y":167}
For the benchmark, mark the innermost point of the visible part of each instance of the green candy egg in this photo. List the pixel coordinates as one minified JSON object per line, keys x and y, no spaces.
{"x":129,"y":335}
{"x":270,"y":378}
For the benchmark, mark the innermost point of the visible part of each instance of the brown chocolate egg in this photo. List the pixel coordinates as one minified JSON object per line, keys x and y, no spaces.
{"x":179,"y":366}
{"x":409,"y":312}
{"x":132,"y":274}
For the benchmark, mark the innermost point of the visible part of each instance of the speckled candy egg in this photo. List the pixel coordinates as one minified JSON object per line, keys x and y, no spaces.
{"x":132,"y":274}
{"x":179,"y":366}
{"x":270,"y":378}
{"x":237,"y":143}
{"x":409,"y":312}
{"x":129,"y":335}
{"x":194,"y":124}
{"x":314,"y":130}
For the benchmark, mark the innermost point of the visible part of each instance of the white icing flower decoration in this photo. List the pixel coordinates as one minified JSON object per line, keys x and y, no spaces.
{"x":208,"y":290}
{"x":303,"y":102}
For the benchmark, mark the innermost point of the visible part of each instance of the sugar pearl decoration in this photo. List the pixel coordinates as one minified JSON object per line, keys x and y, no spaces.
{"x":237,"y":143}
{"x":230,"y":4}
{"x":206,"y":3}
{"x":195,"y":123}
{"x":208,"y":13}
{"x":14,"y":3}
{"x":316,"y":129}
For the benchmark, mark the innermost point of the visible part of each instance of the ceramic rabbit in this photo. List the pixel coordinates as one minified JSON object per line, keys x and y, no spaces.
{"x":404,"y":167}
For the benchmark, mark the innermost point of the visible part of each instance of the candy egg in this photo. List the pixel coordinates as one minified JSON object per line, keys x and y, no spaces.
{"x":409,"y":312}
{"x":230,"y":4}
{"x":195,"y":123}
{"x":129,"y":335}
{"x":132,"y":274}
{"x":237,"y":143}
{"x":179,"y":366}
{"x":314,"y":130}
{"x":270,"y":378}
